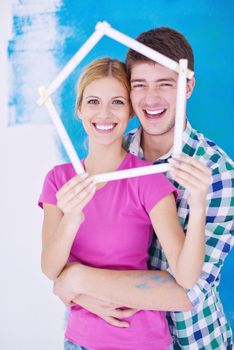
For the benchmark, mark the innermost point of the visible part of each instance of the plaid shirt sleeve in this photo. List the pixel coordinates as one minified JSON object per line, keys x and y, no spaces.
{"x":219,"y":232}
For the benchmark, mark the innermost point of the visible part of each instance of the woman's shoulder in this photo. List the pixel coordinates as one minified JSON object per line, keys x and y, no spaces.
{"x":61,"y":173}
{"x":64,"y":168}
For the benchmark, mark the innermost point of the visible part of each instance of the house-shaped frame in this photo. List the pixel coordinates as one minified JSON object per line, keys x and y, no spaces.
{"x":101,"y":29}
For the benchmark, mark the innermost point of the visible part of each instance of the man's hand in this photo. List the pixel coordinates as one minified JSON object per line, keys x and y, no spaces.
{"x":109,"y":312}
{"x":194,"y":176}
{"x":64,"y":284}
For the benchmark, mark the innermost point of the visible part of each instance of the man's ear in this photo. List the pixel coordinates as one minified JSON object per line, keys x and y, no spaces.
{"x":131,"y":114}
{"x":190,"y":87}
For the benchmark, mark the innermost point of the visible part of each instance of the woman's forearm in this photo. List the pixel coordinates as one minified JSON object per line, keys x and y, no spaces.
{"x":56,"y":252}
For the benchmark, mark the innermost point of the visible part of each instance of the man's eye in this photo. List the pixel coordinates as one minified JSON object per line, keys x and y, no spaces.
{"x":93,"y":101}
{"x":137,"y":86}
{"x":166,"y":86}
{"x":118,"y":102}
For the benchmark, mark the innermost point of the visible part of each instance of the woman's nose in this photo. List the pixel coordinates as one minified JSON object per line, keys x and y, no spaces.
{"x":105,"y":111}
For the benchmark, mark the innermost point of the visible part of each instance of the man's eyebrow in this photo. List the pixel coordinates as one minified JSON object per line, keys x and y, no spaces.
{"x":155,"y":81}
{"x":133,"y":80}
{"x":165,"y":79}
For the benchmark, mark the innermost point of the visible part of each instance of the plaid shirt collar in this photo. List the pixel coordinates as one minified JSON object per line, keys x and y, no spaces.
{"x":188,"y":138}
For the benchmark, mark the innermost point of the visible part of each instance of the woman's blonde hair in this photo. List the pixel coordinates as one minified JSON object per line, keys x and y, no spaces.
{"x":101,"y":68}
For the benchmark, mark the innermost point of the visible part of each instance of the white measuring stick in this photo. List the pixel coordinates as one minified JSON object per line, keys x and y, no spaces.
{"x":141,"y":48}
{"x":71,"y":65}
{"x":124,"y":174}
{"x":62,"y":133}
{"x":180,"y":107}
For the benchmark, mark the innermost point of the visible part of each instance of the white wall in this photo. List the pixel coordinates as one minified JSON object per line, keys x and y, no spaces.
{"x":31,"y":317}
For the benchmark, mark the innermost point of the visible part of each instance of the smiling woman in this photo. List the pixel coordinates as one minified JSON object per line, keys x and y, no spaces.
{"x":106,"y":113}
{"x":103,"y":105}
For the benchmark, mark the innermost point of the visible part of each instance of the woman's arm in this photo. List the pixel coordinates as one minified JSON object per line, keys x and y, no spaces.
{"x":61,"y":223}
{"x":185,"y":254}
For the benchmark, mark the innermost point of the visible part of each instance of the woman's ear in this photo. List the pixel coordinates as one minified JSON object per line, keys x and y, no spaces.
{"x":78,"y":112}
{"x":190,"y":87}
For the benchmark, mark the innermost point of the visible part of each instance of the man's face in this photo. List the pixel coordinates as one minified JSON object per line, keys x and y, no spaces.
{"x":153,"y":96}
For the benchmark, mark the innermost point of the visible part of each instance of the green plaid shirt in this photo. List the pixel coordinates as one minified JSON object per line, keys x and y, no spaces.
{"x":205,"y":327}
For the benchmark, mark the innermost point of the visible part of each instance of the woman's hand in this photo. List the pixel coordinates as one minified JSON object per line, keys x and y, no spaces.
{"x":75,"y":195}
{"x":194,"y":176}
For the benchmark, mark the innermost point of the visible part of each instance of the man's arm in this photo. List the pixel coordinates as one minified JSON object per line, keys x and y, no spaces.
{"x":144,"y":290}
{"x":219,"y":233}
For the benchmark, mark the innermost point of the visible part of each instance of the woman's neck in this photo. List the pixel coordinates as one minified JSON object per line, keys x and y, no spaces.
{"x":104,"y":158}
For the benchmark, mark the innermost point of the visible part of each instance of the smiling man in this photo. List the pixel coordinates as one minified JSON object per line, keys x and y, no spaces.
{"x":196,"y":316}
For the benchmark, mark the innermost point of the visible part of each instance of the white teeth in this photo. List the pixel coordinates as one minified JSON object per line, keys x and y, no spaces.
{"x":104,"y":127}
{"x":155,"y":112}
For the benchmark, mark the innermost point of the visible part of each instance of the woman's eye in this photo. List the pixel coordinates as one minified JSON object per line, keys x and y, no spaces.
{"x":93,"y":101}
{"x":118,"y":102}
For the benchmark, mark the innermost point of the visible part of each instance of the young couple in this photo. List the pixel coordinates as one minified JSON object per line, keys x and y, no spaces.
{"x":96,"y":238}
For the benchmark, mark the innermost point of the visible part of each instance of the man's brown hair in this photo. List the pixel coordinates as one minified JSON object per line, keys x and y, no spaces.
{"x":165,"y":40}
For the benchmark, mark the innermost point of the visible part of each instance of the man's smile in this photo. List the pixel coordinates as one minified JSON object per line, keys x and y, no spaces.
{"x":154,"y":113}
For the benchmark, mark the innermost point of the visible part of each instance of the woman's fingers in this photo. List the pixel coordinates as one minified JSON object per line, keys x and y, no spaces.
{"x":71,"y":184}
{"x":81,"y":200}
{"x":77,"y":189}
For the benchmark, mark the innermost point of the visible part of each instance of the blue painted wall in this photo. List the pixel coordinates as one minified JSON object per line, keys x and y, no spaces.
{"x":208,"y":25}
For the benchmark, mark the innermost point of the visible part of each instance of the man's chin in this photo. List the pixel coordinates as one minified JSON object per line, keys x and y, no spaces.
{"x":158,"y":131}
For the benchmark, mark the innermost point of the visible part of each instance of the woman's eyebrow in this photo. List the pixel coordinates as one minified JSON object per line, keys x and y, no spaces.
{"x":119,"y":97}
{"x":91,"y":96}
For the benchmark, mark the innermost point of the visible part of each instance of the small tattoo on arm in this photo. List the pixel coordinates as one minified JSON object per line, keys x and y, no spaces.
{"x":142,"y":286}
{"x":152,"y":281}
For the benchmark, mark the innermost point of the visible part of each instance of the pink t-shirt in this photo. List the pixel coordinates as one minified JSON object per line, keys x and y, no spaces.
{"x":116,"y":234}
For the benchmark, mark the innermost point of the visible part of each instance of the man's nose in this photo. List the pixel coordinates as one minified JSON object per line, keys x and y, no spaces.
{"x":152,"y":95}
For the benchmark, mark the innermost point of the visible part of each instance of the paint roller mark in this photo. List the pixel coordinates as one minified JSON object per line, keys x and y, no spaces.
{"x":33,"y":57}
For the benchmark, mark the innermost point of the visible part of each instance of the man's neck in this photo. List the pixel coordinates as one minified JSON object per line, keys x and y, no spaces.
{"x":154,"y":147}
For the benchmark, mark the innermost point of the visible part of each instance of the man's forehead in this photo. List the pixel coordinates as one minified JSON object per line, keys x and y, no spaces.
{"x":151,"y":71}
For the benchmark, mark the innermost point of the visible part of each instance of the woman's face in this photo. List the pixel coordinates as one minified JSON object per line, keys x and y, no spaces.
{"x":105,"y":110}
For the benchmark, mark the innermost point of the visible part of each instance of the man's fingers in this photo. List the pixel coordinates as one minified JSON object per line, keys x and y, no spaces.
{"x":118,"y":313}
{"x":195,"y":170}
{"x":196,"y":163}
{"x":115,"y":322}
